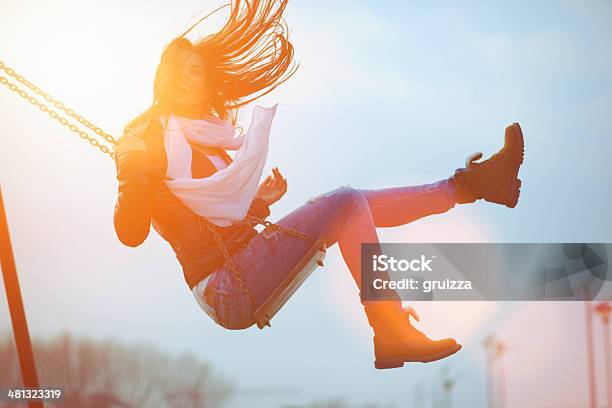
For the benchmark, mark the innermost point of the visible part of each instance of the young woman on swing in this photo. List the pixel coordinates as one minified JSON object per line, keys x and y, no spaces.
{"x":174,"y":172}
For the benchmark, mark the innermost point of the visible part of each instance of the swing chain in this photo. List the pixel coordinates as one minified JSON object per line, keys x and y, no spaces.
{"x":249,"y":220}
{"x":278,"y":227}
{"x":230,"y":262}
{"x":54,"y":114}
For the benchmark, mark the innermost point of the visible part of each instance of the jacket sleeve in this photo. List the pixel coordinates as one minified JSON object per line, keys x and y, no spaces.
{"x":259,"y":208}
{"x":132,"y":216}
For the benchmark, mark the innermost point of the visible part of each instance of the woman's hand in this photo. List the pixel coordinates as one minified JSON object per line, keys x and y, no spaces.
{"x":273,"y":187}
{"x":129,"y":143}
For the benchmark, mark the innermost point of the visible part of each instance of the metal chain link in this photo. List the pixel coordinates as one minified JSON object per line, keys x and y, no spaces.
{"x":230,"y":263}
{"x":280,"y":228}
{"x":248,"y":220}
{"x":54,"y":114}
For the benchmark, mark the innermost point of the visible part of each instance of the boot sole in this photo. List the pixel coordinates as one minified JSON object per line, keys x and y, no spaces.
{"x":507,"y":188}
{"x":394,"y":363}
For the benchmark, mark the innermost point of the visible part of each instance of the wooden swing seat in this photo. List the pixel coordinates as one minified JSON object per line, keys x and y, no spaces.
{"x":313,"y":258}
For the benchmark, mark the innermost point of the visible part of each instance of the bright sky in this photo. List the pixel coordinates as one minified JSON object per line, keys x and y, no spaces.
{"x":386,"y":95}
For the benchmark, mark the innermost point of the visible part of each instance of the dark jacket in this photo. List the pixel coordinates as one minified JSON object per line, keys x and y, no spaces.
{"x":144,"y":199}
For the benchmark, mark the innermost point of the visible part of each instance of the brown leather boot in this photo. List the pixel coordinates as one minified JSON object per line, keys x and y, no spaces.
{"x":396,"y":341}
{"x":494,"y":179}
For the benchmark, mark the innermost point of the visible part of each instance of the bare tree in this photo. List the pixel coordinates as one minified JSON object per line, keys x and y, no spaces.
{"x":106,"y":374}
{"x":334,"y":403}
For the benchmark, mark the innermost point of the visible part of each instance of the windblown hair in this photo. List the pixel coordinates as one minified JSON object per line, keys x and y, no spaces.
{"x":248,"y":58}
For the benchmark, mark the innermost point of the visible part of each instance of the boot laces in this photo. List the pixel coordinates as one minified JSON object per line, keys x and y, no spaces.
{"x":406,"y":313}
{"x":402,"y":325}
{"x":488,"y":163}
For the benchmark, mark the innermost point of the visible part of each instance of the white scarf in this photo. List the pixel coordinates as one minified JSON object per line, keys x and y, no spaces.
{"x":225,"y":196}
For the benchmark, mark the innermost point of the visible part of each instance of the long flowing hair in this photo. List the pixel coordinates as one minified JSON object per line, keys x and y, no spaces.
{"x":249,"y":57}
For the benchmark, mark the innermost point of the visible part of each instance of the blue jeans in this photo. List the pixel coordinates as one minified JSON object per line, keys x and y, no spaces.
{"x":346,"y":215}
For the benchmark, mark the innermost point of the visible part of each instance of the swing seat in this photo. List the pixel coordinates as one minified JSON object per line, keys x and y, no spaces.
{"x":313,"y":258}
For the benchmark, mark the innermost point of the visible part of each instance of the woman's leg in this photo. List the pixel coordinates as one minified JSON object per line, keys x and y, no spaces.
{"x":341,"y":216}
{"x":396,"y":206}
{"x":346,"y":216}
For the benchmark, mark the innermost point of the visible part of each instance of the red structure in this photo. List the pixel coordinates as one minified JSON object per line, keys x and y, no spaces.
{"x":17,"y":311}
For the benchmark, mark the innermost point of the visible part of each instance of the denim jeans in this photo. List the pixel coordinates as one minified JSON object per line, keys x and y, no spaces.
{"x":347,"y":216}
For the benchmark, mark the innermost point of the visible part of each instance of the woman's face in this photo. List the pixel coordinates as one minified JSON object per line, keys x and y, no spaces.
{"x":192,"y":82}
